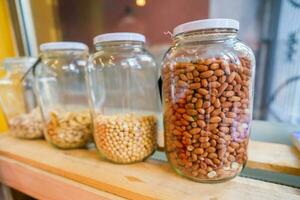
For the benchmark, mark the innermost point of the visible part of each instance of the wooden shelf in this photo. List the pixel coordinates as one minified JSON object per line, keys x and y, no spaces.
{"x":42,"y":171}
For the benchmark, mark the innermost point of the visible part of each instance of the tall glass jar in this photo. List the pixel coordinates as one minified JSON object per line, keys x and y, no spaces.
{"x":18,"y":101}
{"x":208,"y":93}
{"x":124,"y":97}
{"x":63,"y":95}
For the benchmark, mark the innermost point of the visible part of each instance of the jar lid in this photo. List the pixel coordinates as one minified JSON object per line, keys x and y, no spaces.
{"x":206,"y":24}
{"x":120,"y":36}
{"x":63,"y":46}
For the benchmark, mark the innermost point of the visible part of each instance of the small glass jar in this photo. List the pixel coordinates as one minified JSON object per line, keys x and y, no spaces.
{"x":124,"y":97}
{"x":208,"y":93}
{"x":62,"y":94}
{"x":18,"y":101}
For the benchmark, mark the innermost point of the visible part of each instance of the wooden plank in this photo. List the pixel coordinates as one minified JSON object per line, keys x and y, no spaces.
{"x":274,"y":157}
{"x":147,"y":180}
{"x":43,"y":185}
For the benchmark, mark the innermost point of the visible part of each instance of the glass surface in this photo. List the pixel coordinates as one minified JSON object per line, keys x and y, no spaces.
{"x":18,"y":99}
{"x":208,"y":94}
{"x":125,"y":100}
{"x":63,"y":97}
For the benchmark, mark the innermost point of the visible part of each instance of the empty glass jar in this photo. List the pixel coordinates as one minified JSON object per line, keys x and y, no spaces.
{"x":124,"y":97}
{"x":208,"y":93}
{"x":63,"y":95}
{"x":18,"y":101}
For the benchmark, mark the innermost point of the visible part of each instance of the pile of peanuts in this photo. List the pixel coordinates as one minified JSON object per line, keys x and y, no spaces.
{"x":69,"y":129}
{"x":207,"y":116}
{"x":125,"y":138}
{"x":27,"y":126}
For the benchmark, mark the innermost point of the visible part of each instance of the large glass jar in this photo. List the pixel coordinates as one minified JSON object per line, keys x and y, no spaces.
{"x":124,"y":97}
{"x":62,"y":94}
{"x":18,"y":99}
{"x":208,"y":93}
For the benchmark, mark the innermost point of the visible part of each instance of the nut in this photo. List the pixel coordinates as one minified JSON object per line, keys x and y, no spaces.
{"x":69,"y":129}
{"x":127,"y":138}
{"x":27,"y":126}
{"x":207,"y":116}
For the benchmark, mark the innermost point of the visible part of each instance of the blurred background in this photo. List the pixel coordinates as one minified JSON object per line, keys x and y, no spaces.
{"x":269,"y":27}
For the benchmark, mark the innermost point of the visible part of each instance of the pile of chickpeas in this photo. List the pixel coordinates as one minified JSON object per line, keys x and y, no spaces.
{"x":125,"y":138}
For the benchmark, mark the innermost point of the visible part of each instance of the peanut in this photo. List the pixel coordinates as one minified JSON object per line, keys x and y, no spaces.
{"x":207,"y":118}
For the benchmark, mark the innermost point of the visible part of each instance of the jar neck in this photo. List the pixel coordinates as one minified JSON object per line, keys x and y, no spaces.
{"x":216,"y":35}
{"x":63,"y":53}
{"x":119,"y":45}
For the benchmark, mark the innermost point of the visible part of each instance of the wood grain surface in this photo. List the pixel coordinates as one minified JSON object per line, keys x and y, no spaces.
{"x":147,"y":180}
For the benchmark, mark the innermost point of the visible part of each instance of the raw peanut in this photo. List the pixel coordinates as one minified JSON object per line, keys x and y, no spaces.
{"x":202,"y":68}
{"x":228,"y":93}
{"x":211,"y":149}
{"x":215,"y":119}
{"x":234,"y":98}
{"x":182,"y":83}
{"x":214,"y":66}
{"x":190,"y":68}
{"x":213,"y":143}
{"x":231,"y":77}
{"x":212,"y":155}
{"x":203,"y":91}
{"x":209,"y":109}
{"x":195,"y":131}
{"x":183,"y":77}
{"x":188,"y":118}
{"x":189,"y":75}
{"x":191,"y":112}
{"x":206,"y":74}
{"x":215,"y":84}
{"x":201,"y":123}
{"x":222,"y":88}
{"x":217,"y":103}
{"x":198,"y":151}
{"x":212,"y":126}
{"x":208,"y":61}
{"x":203,"y":139}
{"x":206,"y":104}
{"x":219,"y":72}
{"x":181,"y":110}
{"x":195,"y":86}
{"x":204,"y":83}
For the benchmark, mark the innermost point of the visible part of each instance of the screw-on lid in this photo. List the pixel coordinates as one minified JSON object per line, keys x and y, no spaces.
{"x":206,"y":24}
{"x":120,"y":36}
{"x":63,"y":46}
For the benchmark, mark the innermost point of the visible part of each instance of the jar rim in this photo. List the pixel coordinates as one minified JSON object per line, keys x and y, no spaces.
{"x":63,"y":46}
{"x":218,"y":23}
{"x":119,"y":36}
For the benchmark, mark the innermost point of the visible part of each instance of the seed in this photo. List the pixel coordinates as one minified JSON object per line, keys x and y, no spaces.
{"x":198,"y":151}
{"x":219,"y":72}
{"x":212,"y":174}
{"x":206,"y":74}
{"x":195,"y":131}
{"x":202,"y":91}
{"x":215,"y":119}
{"x":195,"y":86}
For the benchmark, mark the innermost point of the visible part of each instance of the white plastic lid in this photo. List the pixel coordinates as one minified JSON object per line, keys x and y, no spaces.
{"x":63,"y":46}
{"x":206,"y":24}
{"x":121,"y":36}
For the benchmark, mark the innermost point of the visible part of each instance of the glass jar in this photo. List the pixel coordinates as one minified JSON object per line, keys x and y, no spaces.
{"x":208,"y":93}
{"x":124,"y":97}
{"x":63,"y":95}
{"x":18,"y":99}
